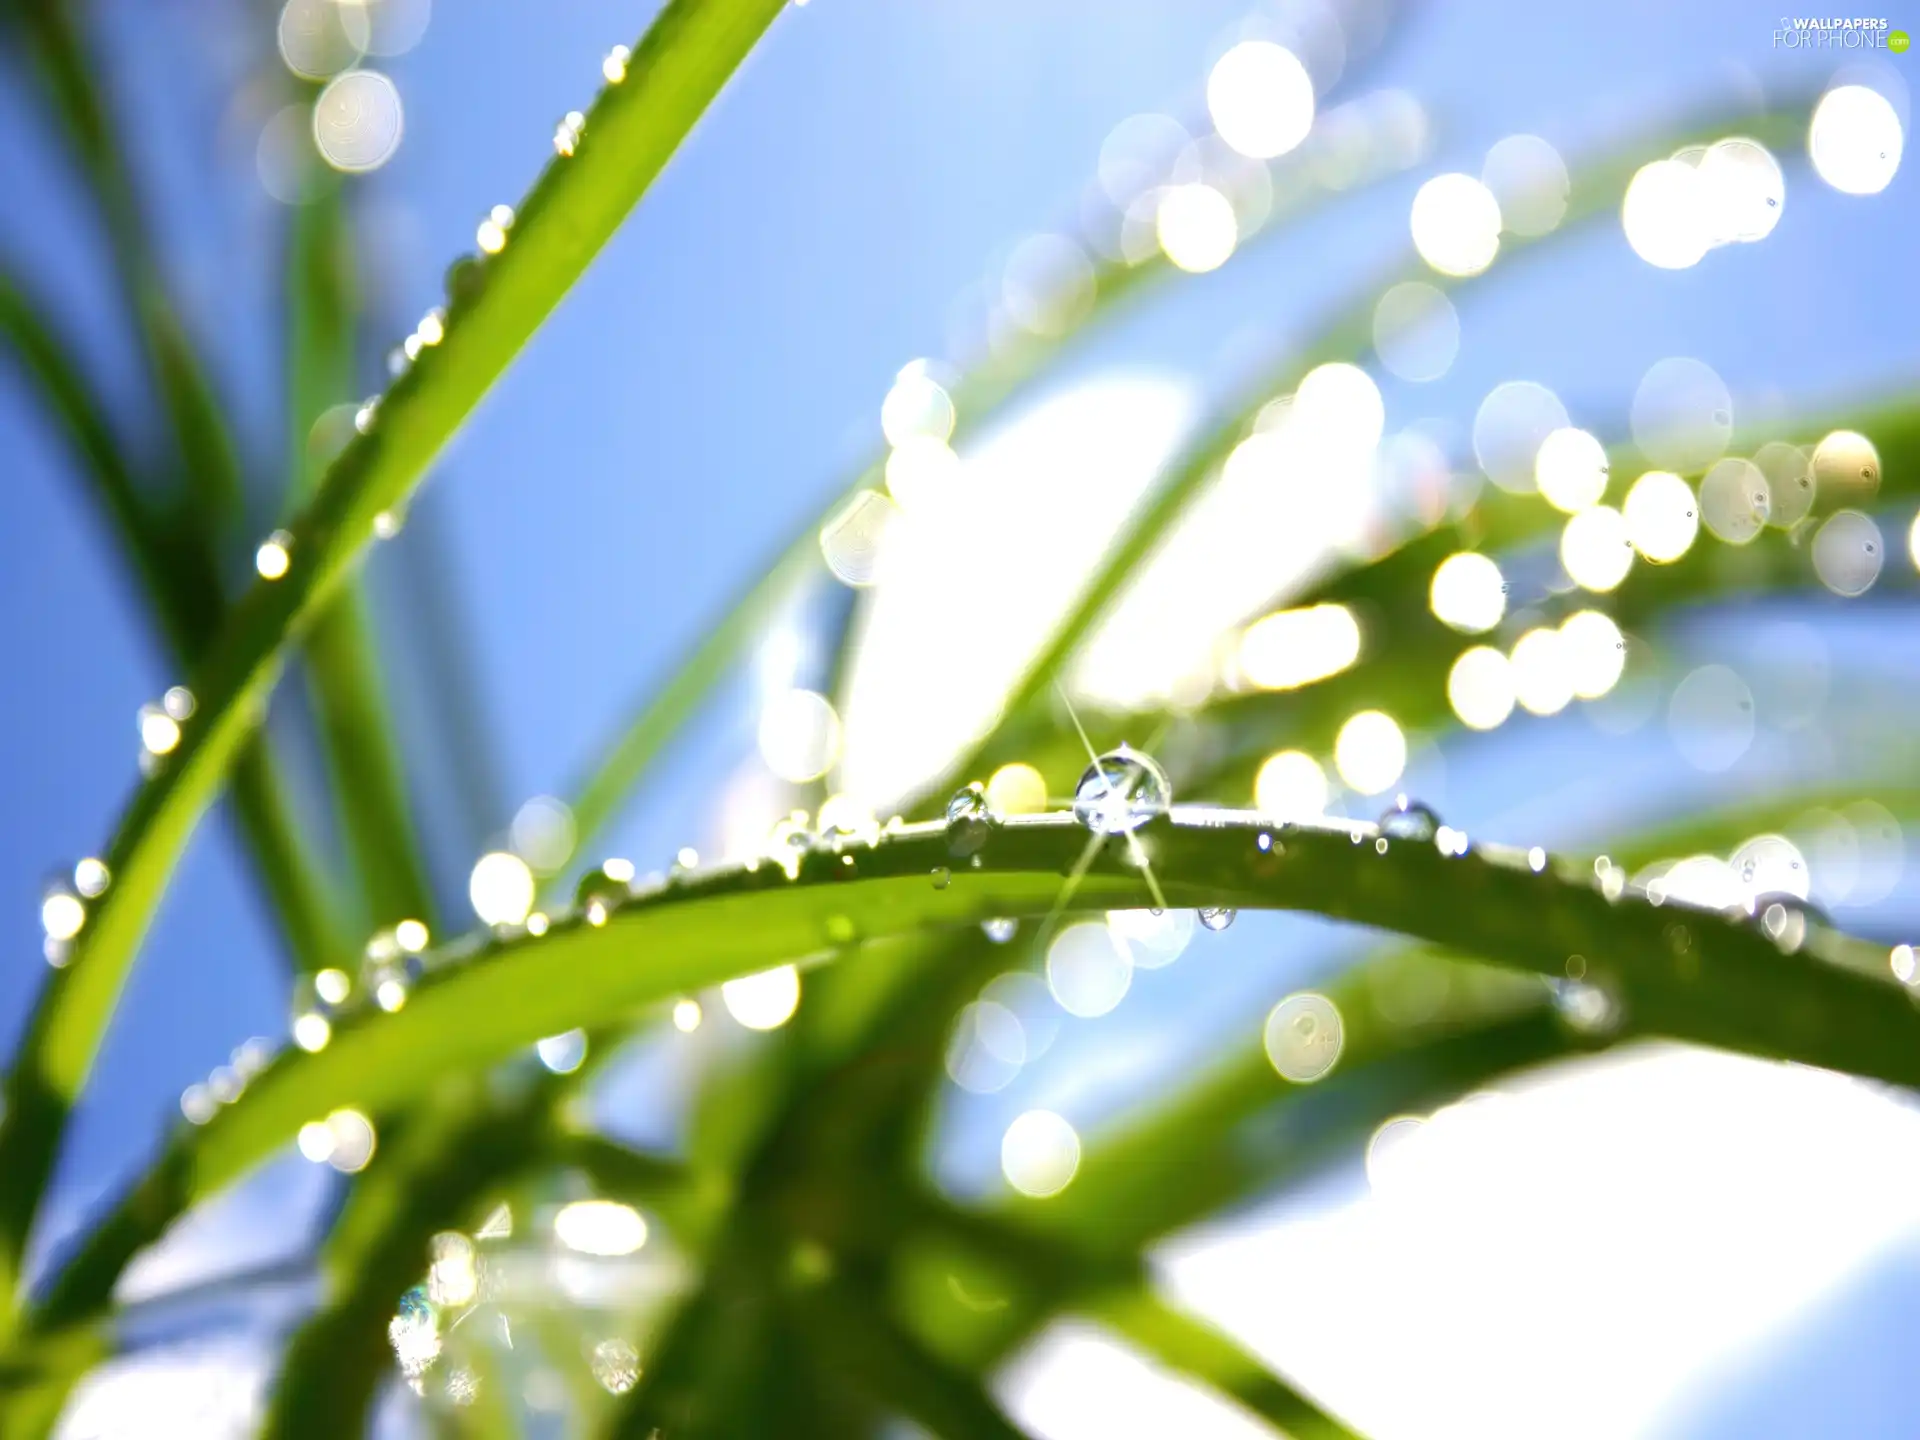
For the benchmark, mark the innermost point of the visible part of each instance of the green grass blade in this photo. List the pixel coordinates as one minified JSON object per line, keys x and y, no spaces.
{"x":853,"y":1336}
{"x":349,"y":697}
{"x":207,"y":450}
{"x":1596,"y":192}
{"x":574,"y":208}
{"x":1407,"y":652}
{"x":1681,"y":972}
{"x":1196,"y":1349}
{"x":333,"y":1368}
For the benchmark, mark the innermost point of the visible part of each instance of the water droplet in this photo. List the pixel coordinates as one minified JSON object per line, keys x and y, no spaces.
{"x":389,"y":523}
{"x":1587,"y":1007}
{"x":942,"y":877}
{"x":1409,"y":820}
{"x":614,"y":67}
{"x":1121,"y":791}
{"x":159,"y":731}
{"x":788,"y":843}
{"x":1679,"y":939}
{"x":1380,"y":845}
{"x":90,"y":877}
{"x":1264,"y":843}
{"x":1785,"y":918}
{"x":197,"y":1104}
{"x":1000,"y":929}
{"x":414,"y":1332}
{"x":609,"y":884}
{"x":569,"y":133}
{"x":1536,"y":859}
{"x":1217,"y":917}
{"x":62,"y":913}
{"x":616,"y":1365}
{"x":364,"y":417}
{"x":969,"y":821}
{"x":464,"y":279}
{"x":1304,"y":1036}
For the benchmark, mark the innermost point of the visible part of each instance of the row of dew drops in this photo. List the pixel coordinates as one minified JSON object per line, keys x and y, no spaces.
{"x":64,"y":907}
{"x":273,"y":559}
{"x":1121,"y":791}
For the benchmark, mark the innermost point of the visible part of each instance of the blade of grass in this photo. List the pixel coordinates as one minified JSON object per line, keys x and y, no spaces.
{"x":677,"y":68}
{"x":852,"y":1334}
{"x":1188,"y":1344}
{"x":335,"y":1363}
{"x":1692,"y":974}
{"x":1408,"y":652}
{"x":1597,"y":188}
{"x":349,"y":696}
{"x":180,"y":592}
{"x":207,"y":451}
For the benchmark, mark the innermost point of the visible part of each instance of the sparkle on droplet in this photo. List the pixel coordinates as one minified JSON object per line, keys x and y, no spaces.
{"x":1121,"y":791}
{"x":1216,"y":917}
{"x":1409,"y":820}
{"x":1000,"y":929}
{"x":969,"y":821}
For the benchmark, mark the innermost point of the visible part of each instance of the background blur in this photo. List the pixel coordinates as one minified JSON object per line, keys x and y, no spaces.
{"x":1669,"y":1243}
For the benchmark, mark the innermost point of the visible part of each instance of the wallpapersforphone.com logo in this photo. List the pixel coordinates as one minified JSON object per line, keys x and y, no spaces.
{"x":1839,"y":33}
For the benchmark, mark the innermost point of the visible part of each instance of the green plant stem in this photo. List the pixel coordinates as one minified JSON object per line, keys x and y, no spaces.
{"x":573,"y":209}
{"x":1691,"y":974}
{"x":342,"y":665}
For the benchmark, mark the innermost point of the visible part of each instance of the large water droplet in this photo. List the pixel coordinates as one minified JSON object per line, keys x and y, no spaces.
{"x":942,"y":877}
{"x":1587,"y":1007}
{"x":1410,"y":820}
{"x":616,"y":1365}
{"x":1217,"y":917}
{"x":969,"y":821}
{"x":1786,"y":919}
{"x":1121,"y":791}
{"x":608,"y":885}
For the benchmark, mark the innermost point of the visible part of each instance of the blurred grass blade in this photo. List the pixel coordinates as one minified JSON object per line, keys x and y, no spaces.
{"x":854,"y":1336}
{"x":978,"y":400}
{"x":207,"y":449}
{"x":342,"y":664}
{"x":574,"y":208}
{"x":1190,"y":1345}
{"x":1596,"y":192}
{"x":1408,"y":651}
{"x":336,"y":1362}
{"x":181,"y":596}
{"x":1688,"y":973}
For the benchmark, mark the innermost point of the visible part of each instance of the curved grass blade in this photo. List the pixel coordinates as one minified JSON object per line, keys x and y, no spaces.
{"x":1692,"y":974}
{"x":1195,"y":1348}
{"x":573,"y":209}
{"x":1407,"y":652}
{"x":1597,"y":188}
